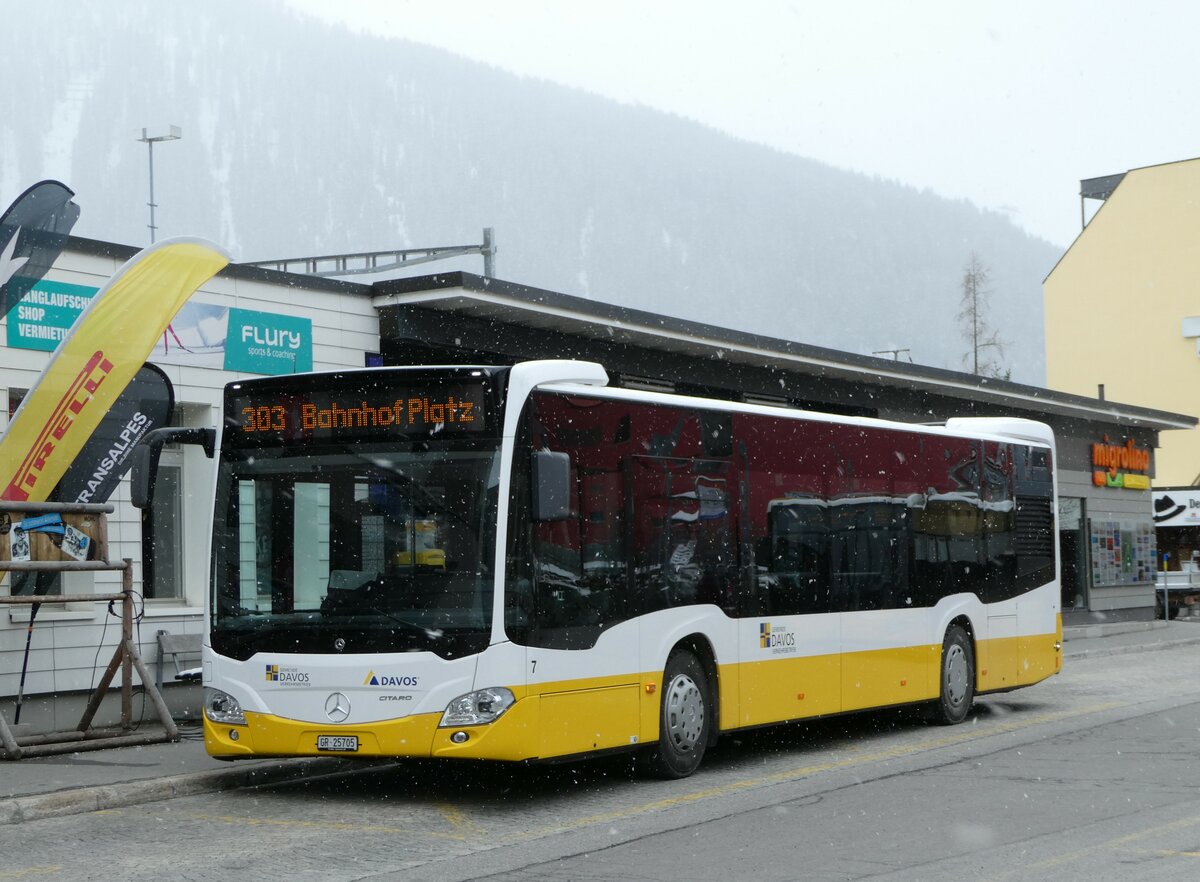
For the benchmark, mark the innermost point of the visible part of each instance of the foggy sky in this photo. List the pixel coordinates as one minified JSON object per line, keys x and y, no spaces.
{"x":1008,"y":104}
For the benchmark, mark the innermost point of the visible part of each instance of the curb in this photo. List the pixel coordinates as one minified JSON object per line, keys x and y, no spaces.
{"x":1093,"y":630}
{"x":1102,"y":651}
{"x":61,"y":803}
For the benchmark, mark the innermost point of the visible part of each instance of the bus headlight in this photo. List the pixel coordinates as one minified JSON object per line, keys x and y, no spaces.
{"x":221,"y":707}
{"x":477,"y":708}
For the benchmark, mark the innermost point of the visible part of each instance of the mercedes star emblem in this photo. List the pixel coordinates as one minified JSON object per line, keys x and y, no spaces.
{"x":337,"y":707}
{"x":339,"y":644}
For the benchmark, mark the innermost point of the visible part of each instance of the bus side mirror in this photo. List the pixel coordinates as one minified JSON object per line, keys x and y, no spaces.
{"x":551,"y":490}
{"x":146,"y":454}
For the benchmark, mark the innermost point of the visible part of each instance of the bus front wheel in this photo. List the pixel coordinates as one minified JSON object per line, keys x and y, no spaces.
{"x":684,"y":720}
{"x":957,"y":677}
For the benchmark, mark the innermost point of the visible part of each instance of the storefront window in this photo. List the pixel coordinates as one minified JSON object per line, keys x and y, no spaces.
{"x":1072,"y":548}
{"x":1122,"y":552}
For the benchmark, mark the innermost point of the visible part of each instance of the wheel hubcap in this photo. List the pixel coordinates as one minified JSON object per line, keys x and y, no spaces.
{"x":684,"y":713}
{"x":956,"y":674}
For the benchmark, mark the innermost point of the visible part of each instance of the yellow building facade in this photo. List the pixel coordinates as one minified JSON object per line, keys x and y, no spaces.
{"x":1122,"y":307}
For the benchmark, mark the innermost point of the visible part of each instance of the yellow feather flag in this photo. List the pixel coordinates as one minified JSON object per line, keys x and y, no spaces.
{"x":106,"y":346}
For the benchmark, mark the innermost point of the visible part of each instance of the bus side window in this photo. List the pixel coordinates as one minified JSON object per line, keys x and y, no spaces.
{"x":684,"y":516}
{"x":786,"y":522}
{"x":796,"y":555}
{"x":577,"y":572}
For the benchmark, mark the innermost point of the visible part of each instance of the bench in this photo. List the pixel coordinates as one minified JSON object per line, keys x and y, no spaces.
{"x":173,"y":646}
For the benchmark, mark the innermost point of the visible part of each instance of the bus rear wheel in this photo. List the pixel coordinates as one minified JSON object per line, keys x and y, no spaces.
{"x":957,"y":677}
{"x":685,"y":719}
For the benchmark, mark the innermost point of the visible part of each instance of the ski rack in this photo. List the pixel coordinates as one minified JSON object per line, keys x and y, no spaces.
{"x":331,"y":265}
{"x":126,"y":657}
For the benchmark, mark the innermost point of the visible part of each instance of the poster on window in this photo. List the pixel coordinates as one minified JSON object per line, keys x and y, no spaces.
{"x":228,"y":338}
{"x":195,"y":337}
{"x":1122,"y":552}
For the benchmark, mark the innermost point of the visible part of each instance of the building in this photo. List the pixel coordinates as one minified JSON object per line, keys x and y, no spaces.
{"x":1122,"y":316}
{"x":1105,"y":525}
{"x":1122,"y":321}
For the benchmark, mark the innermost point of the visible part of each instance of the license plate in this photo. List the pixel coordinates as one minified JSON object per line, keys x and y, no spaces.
{"x":343,"y":743}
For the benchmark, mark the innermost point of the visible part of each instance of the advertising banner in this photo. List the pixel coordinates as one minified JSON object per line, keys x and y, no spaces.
{"x":91,"y":368}
{"x":268,"y":343}
{"x":42,"y":318}
{"x":145,"y":405}
{"x":33,"y":232}
{"x":1178,"y":507}
{"x":212,"y":336}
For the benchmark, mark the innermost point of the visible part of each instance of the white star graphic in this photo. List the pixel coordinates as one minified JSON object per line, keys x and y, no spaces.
{"x":8,"y":265}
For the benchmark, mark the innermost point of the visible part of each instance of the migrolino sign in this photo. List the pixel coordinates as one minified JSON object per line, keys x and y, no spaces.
{"x":1120,"y":465}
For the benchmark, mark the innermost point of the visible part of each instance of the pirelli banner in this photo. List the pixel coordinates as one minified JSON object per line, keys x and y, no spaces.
{"x":105,"y":348}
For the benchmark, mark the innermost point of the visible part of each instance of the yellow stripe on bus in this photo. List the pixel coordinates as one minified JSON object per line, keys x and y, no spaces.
{"x":586,"y":715}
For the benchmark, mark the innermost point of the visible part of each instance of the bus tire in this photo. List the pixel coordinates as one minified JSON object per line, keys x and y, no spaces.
{"x":685,"y":719}
{"x":957,"y":677}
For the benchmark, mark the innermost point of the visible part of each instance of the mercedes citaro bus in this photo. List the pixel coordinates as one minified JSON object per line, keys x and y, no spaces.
{"x":524,"y":563}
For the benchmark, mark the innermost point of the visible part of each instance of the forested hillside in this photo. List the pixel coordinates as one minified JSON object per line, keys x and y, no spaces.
{"x":300,"y":138}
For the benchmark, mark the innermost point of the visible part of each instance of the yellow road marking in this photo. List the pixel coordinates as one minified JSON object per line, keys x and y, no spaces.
{"x":459,"y":820}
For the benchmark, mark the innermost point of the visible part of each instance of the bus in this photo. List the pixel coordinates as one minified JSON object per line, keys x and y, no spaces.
{"x":525,"y":563}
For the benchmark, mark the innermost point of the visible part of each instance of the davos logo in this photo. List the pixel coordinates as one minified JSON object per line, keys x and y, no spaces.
{"x":282,"y":676}
{"x":406,"y":681}
{"x":779,"y":639}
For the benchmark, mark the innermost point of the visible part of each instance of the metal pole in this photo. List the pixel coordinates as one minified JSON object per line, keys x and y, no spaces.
{"x":170,"y":133}
{"x":150,"y":145}
{"x":33,"y":611}
{"x":489,"y":253}
{"x":127,"y":643}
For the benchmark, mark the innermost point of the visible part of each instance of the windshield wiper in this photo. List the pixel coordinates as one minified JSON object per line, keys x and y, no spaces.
{"x":431,"y":633}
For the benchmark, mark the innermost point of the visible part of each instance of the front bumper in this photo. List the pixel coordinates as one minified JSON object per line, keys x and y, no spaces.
{"x":514,"y":736}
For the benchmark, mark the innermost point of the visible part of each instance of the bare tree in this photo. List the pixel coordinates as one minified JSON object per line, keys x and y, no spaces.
{"x":986,"y":347}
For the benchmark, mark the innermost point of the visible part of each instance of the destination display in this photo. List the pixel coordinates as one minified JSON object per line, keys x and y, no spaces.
{"x":273,"y":414}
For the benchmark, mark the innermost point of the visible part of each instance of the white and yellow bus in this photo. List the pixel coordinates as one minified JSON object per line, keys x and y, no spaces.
{"x":523,"y":563}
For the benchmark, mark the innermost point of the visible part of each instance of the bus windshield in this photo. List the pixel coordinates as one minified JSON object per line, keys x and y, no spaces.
{"x":351,"y":549}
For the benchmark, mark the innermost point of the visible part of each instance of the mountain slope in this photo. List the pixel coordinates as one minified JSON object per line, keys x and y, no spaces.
{"x":301,"y":138}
